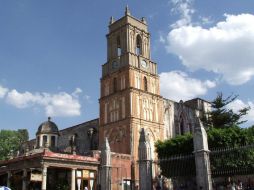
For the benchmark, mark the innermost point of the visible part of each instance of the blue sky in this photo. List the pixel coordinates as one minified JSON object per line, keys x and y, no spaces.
{"x":51,"y":54}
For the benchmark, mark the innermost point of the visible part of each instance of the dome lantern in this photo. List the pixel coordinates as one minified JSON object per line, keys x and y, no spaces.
{"x":47,"y":134}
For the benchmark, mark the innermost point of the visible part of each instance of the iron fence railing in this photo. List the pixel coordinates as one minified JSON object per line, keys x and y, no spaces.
{"x":230,"y":161}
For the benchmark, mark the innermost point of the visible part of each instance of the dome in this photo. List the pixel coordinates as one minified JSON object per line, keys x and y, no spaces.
{"x":47,"y":127}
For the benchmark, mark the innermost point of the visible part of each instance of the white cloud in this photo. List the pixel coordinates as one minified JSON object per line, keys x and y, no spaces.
{"x":3,"y":91}
{"x":239,"y":104}
{"x":185,"y":10}
{"x":60,"y":104}
{"x":22,"y":100}
{"x":206,"y":20}
{"x":177,"y":85}
{"x":225,"y":49}
{"x":77,"y":92}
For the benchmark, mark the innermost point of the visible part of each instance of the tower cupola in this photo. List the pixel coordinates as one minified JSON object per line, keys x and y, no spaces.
{"x":47,"y":134}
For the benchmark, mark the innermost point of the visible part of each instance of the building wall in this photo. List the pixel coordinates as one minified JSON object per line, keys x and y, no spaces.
{"x":121,"y":169}
{"x":82,"y":139}
{"x":180,"y":117}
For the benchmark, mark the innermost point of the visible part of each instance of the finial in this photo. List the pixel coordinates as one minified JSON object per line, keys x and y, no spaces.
{"x":105,"y":145}
{"x":143,"y":135}
{"x":143,"y":20}
{"x":127,"y":11}
{"x":112,"y":20}
{"x":49,"y":118}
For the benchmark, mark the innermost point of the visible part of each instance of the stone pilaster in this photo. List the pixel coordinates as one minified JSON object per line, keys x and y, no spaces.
{"x":202,"y":161}
{"x":105,"y":172}
{"x":44,"y":178}
{"x":73,"y":179}
{"x":145,"y":162}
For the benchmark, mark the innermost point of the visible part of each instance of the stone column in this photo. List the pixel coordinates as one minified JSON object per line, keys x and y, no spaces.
{"x":145,"y":162}
{"x":24,"y":179}
{"x":8,"y":179}
{"x":41,"y":141}
{"x":73,"y":179}
{"x":202,"y":161}
{"x":44,"y":178}
{"x":105,"y":173}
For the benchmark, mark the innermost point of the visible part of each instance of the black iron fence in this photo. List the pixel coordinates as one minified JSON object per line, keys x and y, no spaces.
{"x":178,"y":166}
{"x":231,"y":161}
{"x":229,"y":166}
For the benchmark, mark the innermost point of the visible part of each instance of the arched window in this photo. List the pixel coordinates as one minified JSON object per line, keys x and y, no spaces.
{"x":53,"y":141}
{"x":38,"y":141}
{"x":190,"y":128}
{"x":119,"y":50}
{"x":44,"y":140}
{"x":114,"y":84}
{"x":181,"y":126}
{"x":145,"y":84}
{"x":138,"y":45}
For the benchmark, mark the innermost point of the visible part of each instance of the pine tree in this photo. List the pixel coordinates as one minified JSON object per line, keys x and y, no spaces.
{"x":221,"y":116}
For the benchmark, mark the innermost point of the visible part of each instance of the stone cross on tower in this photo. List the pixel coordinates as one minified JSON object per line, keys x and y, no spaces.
{"x":145,"y":162}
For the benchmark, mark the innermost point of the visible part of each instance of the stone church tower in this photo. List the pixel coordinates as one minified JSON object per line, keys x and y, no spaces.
{"x":130,"y":92}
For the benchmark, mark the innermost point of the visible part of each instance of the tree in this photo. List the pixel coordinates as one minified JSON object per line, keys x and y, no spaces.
{"x":23,"y":135}
{"x":10,"y":141}
{"x":221,"y":116}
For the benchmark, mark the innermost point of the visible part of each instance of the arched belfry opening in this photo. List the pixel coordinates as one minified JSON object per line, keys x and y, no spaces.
{"x":181,"y":125}
{"x":138,"y":45}
{"x":114,"y":84}
{"x":119,"y":49}
{"x":145,"y":84}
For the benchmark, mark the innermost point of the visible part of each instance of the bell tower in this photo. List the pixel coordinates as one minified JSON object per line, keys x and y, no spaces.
{"x":130,"y":93}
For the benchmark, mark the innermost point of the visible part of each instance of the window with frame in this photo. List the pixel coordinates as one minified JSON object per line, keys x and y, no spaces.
{"x":138,"y":45}
{"x":119,"y":49}
{"x":44,"y":140}
{"x":53,"y":141}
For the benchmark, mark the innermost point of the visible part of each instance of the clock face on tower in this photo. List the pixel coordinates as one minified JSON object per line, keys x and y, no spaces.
{"x":144,"y":63}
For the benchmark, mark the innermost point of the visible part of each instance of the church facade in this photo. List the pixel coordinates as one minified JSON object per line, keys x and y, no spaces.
{"x":130,"y":100}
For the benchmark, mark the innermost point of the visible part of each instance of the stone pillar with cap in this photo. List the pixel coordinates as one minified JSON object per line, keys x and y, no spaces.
{"x":105,"y":170}
{"x":44,"y":178}
{"x":145,"y":162}
{"x":202,"y":161}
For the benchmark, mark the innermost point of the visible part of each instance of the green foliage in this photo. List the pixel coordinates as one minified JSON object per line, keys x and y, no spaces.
{"x":182,"y":144}
{"x":23,"y":135}
{"x":228,"y":137}
{"x":10,"y":141}
{"x":217,"y":138}
{"x":221,"y":116}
